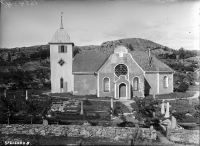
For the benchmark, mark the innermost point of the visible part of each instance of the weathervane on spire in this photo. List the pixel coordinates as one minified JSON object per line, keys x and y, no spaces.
{"x":61,"y":25}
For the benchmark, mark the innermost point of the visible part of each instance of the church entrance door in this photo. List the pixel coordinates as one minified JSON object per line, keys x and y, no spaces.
{"x":122,"y":90}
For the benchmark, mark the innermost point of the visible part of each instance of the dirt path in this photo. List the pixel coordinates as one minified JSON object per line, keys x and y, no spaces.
{"x":127,"y":103}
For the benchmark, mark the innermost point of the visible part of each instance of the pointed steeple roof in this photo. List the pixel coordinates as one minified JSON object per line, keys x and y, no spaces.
{"x":61,"y":35}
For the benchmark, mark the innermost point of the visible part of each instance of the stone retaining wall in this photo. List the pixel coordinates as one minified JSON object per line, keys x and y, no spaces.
{"x":183,"y":135}
{"x":78,"y":131}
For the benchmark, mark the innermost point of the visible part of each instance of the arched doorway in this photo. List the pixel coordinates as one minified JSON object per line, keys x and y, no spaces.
{"x":122,"y":90}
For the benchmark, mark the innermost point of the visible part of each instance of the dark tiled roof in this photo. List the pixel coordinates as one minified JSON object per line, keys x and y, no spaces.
{"x":92,"y":60}
{"x":142,"y":58}
{"x":89,"y":60}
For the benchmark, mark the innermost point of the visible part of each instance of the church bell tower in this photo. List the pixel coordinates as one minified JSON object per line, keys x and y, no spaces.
{"x":61,"y":58}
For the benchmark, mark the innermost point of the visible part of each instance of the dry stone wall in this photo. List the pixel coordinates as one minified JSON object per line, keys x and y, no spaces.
{"x":183,"y":135}
{"x":78,"y":131}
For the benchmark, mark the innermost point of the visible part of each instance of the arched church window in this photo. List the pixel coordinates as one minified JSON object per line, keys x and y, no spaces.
{"x":121,"y":69}
{"x":61,"y":83}
{"x":136,"y":84}
{"x":106,"y":85}
{"x":165,"y":82}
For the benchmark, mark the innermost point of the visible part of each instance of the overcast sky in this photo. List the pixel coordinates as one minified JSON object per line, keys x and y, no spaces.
{"x":172,"y":23}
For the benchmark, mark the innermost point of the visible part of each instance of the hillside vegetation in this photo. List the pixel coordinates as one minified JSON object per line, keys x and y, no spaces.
{"x":29,"y":67}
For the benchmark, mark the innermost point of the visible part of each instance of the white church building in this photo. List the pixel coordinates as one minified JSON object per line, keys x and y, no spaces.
{"x":121,"y":73}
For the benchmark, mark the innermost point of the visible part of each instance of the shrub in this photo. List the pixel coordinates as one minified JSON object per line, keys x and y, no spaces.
{"x":145,"y":107}
{"x":87,"y":102}
{"x":126,"y":124}
{"x":183,"y":87}
{"x":182,"y":117}
{"x":117,"y":109}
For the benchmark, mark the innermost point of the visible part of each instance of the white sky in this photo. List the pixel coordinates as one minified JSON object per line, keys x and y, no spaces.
{"x":172,"y":23}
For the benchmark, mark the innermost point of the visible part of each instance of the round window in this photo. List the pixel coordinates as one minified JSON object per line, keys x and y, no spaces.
{"x":121,"y":69}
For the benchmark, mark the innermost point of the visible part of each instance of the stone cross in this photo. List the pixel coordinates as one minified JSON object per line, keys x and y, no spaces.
{"x":81,"y":108}
{"x":26,"y":95}
{"x":162,"y":108}
{"x":167,"y":111}
{"x":173,"y":122}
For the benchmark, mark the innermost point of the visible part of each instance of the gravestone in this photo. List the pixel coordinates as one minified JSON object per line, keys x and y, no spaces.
{"x":167,"y":111}
{"x":162,"y":108}
{"x":151,"y":128}
{"x":173,"y":122}
{"x":45,"y":122}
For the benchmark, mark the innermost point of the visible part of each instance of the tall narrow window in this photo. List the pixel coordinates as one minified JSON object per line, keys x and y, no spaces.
{"x":61,"y":83}
{"x":106,"y":84}
{"x":165,"y":82}
{"x":62,"y":49}
{"x":136,"y":84}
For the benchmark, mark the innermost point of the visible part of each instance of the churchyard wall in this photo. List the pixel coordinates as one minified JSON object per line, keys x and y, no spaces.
{"x":183,"y":135}
{"x":79,"y":131}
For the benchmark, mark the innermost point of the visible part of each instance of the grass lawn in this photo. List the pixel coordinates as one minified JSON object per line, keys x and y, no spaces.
{"x":172,"y":95}
{"x":181,"y":106}
{"x":94,"y":105}
{"x":194,"y":88}
{"x":103,"y":106}
{"x":93,"y":97}
{"x":185,"y":106}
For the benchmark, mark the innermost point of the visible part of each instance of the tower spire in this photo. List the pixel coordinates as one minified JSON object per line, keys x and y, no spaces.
{"x":61,"y":25}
